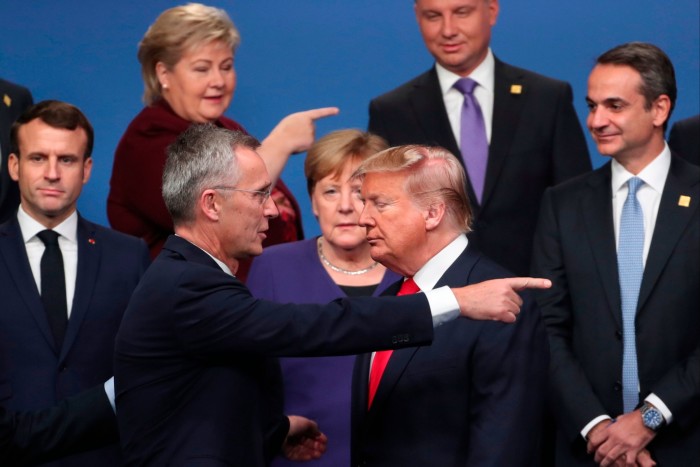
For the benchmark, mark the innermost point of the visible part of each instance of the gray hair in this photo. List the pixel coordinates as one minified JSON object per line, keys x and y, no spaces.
{"x":202,"y":157}
{"x":433,"y":175}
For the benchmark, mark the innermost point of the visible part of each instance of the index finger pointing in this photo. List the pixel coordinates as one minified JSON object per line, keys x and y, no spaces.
{"x":522,"y":283}
{"x":322,"y":112}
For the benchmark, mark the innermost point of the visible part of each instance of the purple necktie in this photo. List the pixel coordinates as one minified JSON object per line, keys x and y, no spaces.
{"x":474,"y":146}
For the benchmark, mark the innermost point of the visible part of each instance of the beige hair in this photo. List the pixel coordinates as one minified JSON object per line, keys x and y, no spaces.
{"x":434,"y":175}
{"x":176,"y":31}
{"x":329,"y":154}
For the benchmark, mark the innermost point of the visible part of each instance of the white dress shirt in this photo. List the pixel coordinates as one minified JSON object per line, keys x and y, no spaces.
{"x":485,"y":77}
{"x":67,"y":241}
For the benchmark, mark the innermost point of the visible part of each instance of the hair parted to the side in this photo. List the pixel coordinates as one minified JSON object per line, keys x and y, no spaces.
{"x":654,"y":66}
{"x":329,"y":154}
{"x":176,"y":31}
{"x":202,"y":157}
{"x":56,"y":114}
{"x":433,"y":175}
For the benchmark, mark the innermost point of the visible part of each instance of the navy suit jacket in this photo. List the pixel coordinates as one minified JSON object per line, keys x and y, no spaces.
{"x":684,"y":139}
{"x":474,"y":397}
{"x":536,"y":142}
{"x":191,"y":368}
{"x":575,"y":248}
{"x":81,"y":422}
{"x":18,"y":100}
{"x":34,"y":373}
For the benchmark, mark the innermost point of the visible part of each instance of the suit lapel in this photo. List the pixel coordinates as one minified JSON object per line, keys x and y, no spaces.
{"x":14,"y":253}
{"x":429,"y":109}
{"x":596,"y":210}
{"x":671,"y":222}
{"x":89,"y":254}
{"x":507,"y":108}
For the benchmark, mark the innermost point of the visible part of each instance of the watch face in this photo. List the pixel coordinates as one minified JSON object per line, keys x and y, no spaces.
{"x":652,"y":418}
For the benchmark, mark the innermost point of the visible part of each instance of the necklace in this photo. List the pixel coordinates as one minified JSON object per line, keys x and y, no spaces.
{"x":341,"y":270}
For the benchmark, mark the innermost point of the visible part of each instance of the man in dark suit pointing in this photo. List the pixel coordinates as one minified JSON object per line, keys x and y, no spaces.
{"x":516,"y":131}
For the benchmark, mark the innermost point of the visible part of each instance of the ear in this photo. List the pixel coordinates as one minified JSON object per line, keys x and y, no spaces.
{"x":661,"y":108}
{"x":493,"y":12}
{"x":87,"y":169}
{"x":13,"y":166}
{"x":210,"y":205}
{"x":163,"y":75}
{"x":314,"y":208}
{"x":434,"y":216}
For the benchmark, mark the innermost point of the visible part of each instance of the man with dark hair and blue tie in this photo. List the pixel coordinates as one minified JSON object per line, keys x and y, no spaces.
{"x":622,"y":247}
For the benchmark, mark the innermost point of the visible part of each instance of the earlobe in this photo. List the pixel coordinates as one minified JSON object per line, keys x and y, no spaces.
{"x":434,"y":215}
{"x":162,"y":74}
{"x":13,"y":167}
{"x":209,"y":205}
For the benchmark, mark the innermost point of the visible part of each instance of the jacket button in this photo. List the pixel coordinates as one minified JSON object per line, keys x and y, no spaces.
{"x":618,"y":386}
{"x":618,"y":334}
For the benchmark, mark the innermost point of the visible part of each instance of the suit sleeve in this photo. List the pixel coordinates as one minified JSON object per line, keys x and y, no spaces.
{"x":573,"y":399}
{"x":569,"y":149}
{"x":77,"y":424}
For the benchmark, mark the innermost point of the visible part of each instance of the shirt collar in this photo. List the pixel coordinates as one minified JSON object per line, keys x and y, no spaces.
{"x":29,"y":226}
{"x":221,"y":264}
{"x":435,"y":268}
{"x":484,"y":75}
{"x":653,"y":174}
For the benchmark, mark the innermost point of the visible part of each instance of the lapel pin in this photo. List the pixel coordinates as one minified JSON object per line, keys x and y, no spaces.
{"x":516,"y":89}
{"x":7,"y":100}
{"x":684,"y":201}
{"x":91,"y":241}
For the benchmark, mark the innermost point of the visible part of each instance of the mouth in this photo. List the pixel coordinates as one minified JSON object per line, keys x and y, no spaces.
{"x":51,"y":191}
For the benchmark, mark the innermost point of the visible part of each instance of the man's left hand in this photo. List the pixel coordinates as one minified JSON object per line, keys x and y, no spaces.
{"x":626,"y":437}
{"x":304,"y":442}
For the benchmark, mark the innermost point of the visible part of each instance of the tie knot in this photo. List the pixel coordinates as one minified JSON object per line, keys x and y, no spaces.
{"x":408,"y":287}
{"x":49,"y":237}
{"x":633,"y":185}
{"x":465,"y":85}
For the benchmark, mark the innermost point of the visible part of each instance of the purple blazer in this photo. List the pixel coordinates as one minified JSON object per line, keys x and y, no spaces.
{"x":318,"y":388}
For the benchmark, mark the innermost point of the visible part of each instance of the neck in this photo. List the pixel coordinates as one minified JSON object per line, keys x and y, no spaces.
{"x":207,"y":241}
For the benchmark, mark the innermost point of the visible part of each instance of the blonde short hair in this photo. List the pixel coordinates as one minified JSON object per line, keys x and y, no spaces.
{"x":176,"y":31}
{"x":329,"y":154}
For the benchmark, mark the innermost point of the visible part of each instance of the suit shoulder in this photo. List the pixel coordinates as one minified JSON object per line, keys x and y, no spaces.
{"x":9,"y":87}
{"x":114,"y":238}
{"x":401,"y":92}
{"x":535,"y":78}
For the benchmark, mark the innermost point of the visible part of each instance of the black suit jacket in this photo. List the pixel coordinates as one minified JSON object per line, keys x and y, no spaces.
{"x":474,"y":397}
{"x":575,"y":247}
{"x":684,"y":139}
{"x":536,"y":142}
{"x":14,"y":100}
{"x":34,"y":372}
{"x":76,"y":424}
{"x":190,"y":367}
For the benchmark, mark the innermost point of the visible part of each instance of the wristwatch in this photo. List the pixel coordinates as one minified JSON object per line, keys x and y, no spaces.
{"x":651,"y":417}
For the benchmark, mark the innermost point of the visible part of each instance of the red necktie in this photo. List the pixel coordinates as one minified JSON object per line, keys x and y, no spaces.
{"x":381,"y":357}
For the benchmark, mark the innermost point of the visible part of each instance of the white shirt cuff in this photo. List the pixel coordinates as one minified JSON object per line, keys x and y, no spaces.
{"x":592,"y":423}
{"x":654,"y":400}
{"x":109,"y":389}
{"x":443,"y":305}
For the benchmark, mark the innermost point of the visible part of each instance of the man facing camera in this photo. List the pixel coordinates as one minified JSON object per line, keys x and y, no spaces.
{"x":192,"y":375}
{"x":64,"y":281}
{"x":475,"y":396}
{"x":622,"y":247}
{"x":515,"y":131}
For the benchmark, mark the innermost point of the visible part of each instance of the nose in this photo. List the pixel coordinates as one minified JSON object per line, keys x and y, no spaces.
{"x":448,"y":26}
{"x":270,"y":208}
{"x":597,"y":118}
{"x":217,"y":78}
{"x":345,"y":205}
{"x":52,"y":170}
{"x":365,"y":217}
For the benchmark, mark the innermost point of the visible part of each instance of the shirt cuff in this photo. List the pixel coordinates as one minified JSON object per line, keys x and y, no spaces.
{"x":654,"y":400}
{"x":592,"y":423}
{"x":443,"y":305}
{"x":109,"y":390}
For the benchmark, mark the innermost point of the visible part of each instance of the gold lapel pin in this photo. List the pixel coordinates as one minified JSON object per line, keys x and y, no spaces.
{"x":516,"y":89}
{"x":684,"y":201}
{"x":7,"y":100}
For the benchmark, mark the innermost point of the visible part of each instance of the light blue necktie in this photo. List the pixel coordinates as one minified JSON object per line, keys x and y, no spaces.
{"x":630,"y":269}
{"x":474,"y":146}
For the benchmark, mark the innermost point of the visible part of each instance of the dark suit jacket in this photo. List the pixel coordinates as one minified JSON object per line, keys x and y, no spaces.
{"x":474,"y":397}
{"x":19,"y":99}
{"x":190,"y":365}
{"x":536,"y":142}
{"x":684,"y":139}
{"x":575,"y":247}
{"x":76,"y":424}
{"x":34,"y":374}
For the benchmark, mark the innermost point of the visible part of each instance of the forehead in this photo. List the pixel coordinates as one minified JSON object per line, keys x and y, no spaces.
{"x":38,"y":136}
{"x":253,"y":172}
{"x":606,"y":80}
{"x":390,"y":184}
{"x":215,"y":49}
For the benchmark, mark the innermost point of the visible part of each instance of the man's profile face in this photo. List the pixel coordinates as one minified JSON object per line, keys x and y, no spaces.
{"x":457,"y":32}
{"x":395,"y":224}
{"x":51,"y":169}
{"x":245,"y":215}
{"x":619,"y":123}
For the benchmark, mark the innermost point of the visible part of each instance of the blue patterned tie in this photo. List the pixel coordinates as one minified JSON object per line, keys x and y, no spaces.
{"x":630,"y":268}
{"x":473,"y":142}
